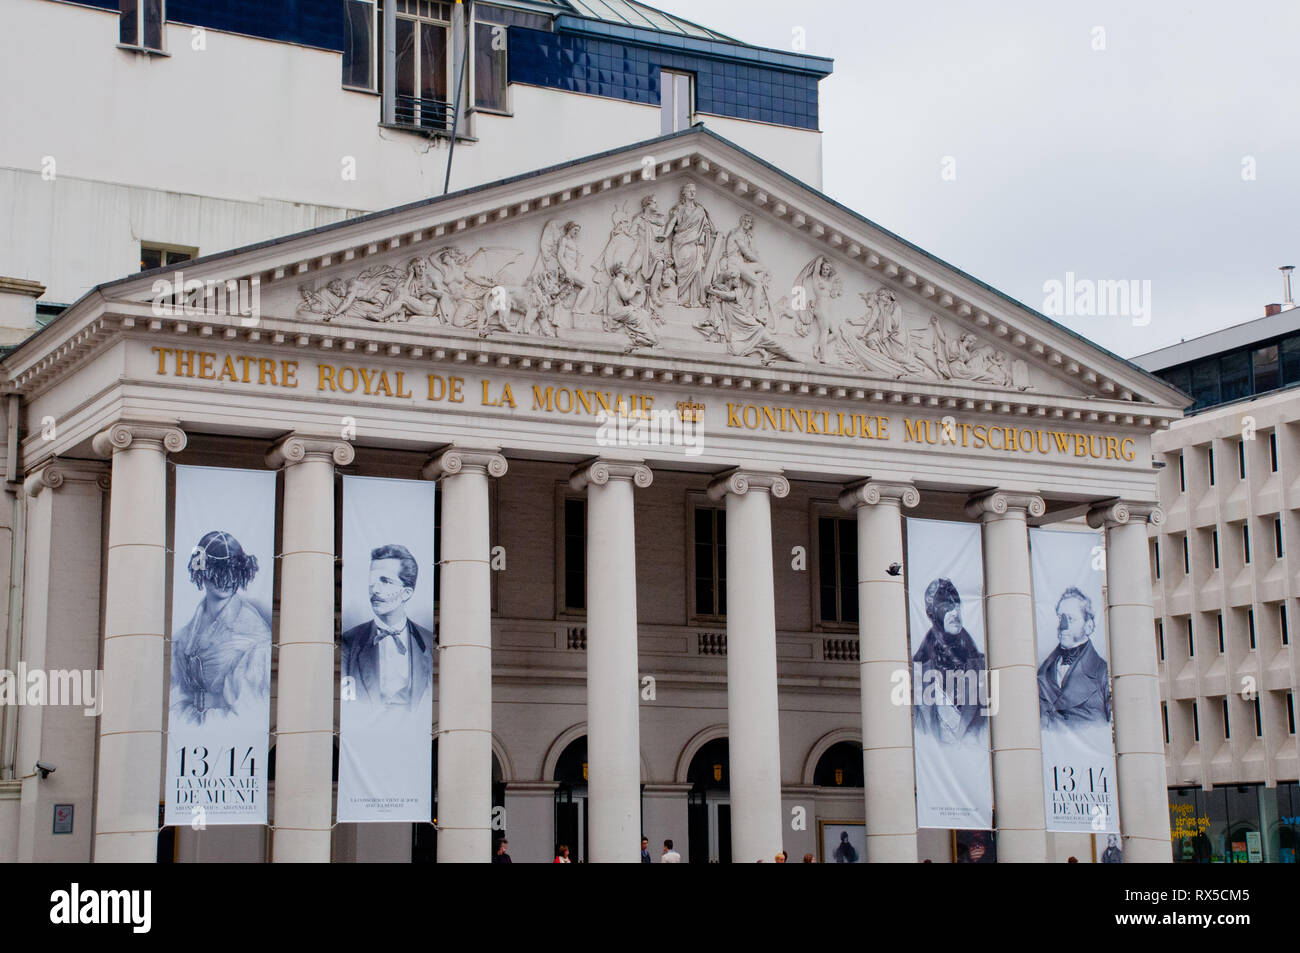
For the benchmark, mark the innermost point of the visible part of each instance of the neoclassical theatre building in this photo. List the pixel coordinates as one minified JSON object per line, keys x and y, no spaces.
{"x":678,"y":406}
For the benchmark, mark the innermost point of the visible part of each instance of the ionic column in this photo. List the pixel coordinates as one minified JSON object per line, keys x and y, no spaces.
{"x":613,"y":681}
{"x":753,"y":723}
{"x":887,"y":758}
{"x":1135,"y":684}
{"x":131,"y":726}
{"x":465,"y":654}
{"x":304,"y":710}
{"x":1013,"y":656}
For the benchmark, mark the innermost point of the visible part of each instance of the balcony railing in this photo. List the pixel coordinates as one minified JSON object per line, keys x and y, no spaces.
{"x":416,"y":113}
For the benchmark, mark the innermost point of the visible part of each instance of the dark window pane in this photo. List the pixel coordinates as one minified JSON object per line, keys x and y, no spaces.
{"x":827,"y":567}
{"x":1290,"y":361}
{"x":128,"y":23}
{"x":1205,"y":383}
{"x":1266,"y":369}
{"x":848,"y":571}
{"x":1234,"y":374}
{"x":150,"y":258}
{"x":575,"y":554}
{"x":1180,"y":377}
{"x":153,"y":24}
{"x":433,"y":64}
{"x":722,"y":561}
{"x":405,"y":59}
{"x":357,"y":46}
{"x":490,"y":65}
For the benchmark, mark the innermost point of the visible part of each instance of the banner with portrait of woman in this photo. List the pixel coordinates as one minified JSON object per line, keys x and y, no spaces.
{"x":949,"y":677}
{"x":387,"y":651}
{"x":223,"y":568}
{"x":1074,"y":695}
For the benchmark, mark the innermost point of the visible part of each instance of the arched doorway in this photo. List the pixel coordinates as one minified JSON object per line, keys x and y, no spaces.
{"x":709,"y":804}
{"x":571,"y":799}
{"x":840,"y":766}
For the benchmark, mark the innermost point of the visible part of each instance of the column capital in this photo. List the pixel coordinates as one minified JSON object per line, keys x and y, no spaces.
{"x":56,"y":472}
{"x":125,"y":434}
{"x":740,"y":481}
{"x":872,"y":492}
{"x":1119,"y":512}
{"x":454,"y":459}
{"x":296,"y":448}
{"x":995,"y":504}
{"x":601,"y":470}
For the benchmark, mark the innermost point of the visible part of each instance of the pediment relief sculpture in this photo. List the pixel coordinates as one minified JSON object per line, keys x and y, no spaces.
{"x":671,"y":280}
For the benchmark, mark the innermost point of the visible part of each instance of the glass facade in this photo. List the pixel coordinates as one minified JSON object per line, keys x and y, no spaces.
{"x":1232,"y":375}
{"x":1235,"y":824}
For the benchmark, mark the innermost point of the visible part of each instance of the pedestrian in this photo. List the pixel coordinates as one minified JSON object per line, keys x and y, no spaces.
{"x":780,"y":857}
{"x":502,"y":856}
{"x":645,"y":850}
{"x":562,"y":855}
{"x":809,"y":859}
{"x":670,"y":856}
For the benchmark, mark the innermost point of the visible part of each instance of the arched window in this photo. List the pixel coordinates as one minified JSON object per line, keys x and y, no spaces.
{"x":840,"y":766}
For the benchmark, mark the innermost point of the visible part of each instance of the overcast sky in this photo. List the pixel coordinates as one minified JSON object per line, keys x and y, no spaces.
{"x":1118,"y":164}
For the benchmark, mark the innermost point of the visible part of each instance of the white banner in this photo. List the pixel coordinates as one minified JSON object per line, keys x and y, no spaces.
{"x":949,"y":677}
{"x":1074,"y":681}
{"x":386,"y":690}
{"x":223,"y":566}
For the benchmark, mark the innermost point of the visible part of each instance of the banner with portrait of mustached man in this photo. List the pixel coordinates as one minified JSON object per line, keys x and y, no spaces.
{"x":223,"y":541}
{"x":1074,"y":681}
{"x":387,"y":651}
{"x":949,"y":678}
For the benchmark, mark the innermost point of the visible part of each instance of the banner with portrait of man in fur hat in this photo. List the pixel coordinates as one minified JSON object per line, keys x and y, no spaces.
{"x":950,"y":696}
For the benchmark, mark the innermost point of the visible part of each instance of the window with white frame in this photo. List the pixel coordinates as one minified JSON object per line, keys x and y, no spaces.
{"x":140,"y":24}
{"x":424,"y":65}
{"x":362,"y":28}
{"x":491,"y":35}
{"x":157,"y":255}
{"x":675,"y":104}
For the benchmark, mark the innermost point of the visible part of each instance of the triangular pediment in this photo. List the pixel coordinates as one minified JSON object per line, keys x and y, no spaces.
{"x":684,"y":249}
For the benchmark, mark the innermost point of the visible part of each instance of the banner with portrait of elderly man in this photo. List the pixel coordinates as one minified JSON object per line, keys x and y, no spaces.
{"x":1074,"y":694}
{"x":951,"y":701}
{"x":219,"y":702}
{"x":386,"y":651}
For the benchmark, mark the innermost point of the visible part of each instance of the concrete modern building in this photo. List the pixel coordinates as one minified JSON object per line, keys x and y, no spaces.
{"x":1225,"y":590}
{"x":678,"y":404}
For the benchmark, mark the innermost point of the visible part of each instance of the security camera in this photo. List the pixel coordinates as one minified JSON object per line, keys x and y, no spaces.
{"x":894,"y":569}
{"x":45,"y":769}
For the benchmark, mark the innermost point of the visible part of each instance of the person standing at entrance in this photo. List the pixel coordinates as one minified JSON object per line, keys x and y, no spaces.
{"x":501,"y":856}
{"x":562,"y":855}
{"x":645,"y":850}
{"x":670,"y":856}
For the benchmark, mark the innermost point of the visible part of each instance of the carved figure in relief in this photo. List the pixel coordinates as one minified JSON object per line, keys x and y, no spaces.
{"x":627,"y":312}
{"x":632,"y":244}
{"x":691,"y":234}
{"x":742,"y":330}
{"x":740,"y":255}
{"x":363,"y":295}
{"x":418,"y":293}
{"x":810,"y":302}
{"x":555,"y":273}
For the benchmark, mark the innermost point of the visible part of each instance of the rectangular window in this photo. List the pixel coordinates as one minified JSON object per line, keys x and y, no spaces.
{"x":1281,"y":618}
{"x":675,"y":106}
{"x":1196,"y":723}
{"x":1187,"y":558}
{"x":1241,"y":458}
{"x":1227,"y":730}
{"x":423,"y":65}
{"x":710,"y":562}
{"x":1157,"y":545}
{"x":140,"y":24}
{"x":1265,"y":366}
{"x":1259,"y":721}
{"x":1191,"y":639}
{"x":1215,"y":538}
{"x":1205,"y":383}
{"x":1211,"y":461}
{"x":1234,"y":376}
{"x":359,"y":31}
{"x":1290,"y":712}
{"x":1245,"y":542}
{"x":1277,"y":536}
{"x":491,"y":32}
{"x":1290,"y":360}
{"x":1160,"y":638}
{"x":155,"y":255}
{"x":837,"y":567}
{"x":1220,"y":619}
{"x":1250,"y":621}
{"x":1164,"y":716}
{"x":1272,"y":449}
{"x":1182,"y":473}
{"x":575,"y":554}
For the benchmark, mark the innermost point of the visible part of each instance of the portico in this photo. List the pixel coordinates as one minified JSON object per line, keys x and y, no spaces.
{"x":671,"y":545}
